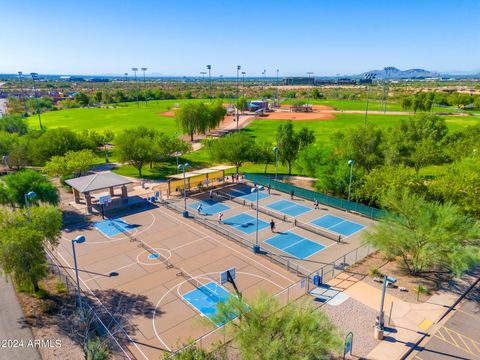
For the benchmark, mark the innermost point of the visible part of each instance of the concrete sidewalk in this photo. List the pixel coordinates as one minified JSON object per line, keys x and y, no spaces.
{"x":409,"y":320}
{"x":14,"y":333}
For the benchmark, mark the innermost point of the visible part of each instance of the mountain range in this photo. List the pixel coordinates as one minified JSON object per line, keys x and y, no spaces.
{"x":394,"y":73}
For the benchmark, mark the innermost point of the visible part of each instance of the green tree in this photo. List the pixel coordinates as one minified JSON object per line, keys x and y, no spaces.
{"x":459,"y":183}
{"x":19,"y":155}
{"x":265,"y":330}
{"x":75,"y":163}
{"x":135,"y":147}
{"x":235,"y":148}
{"x":264,"y":153}
{"x":82,"y":98}
{"x":427,"y":236}
{"x":23,"y":240}
{"x":291,"y":142}
{"x":13,"y":124}
{"x":15,"y":186}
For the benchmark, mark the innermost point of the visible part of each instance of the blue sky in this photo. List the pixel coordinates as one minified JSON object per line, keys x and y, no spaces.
{"x":180,"y":37}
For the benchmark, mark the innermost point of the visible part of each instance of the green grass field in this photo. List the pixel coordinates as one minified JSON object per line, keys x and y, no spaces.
{"x":121,"y":117}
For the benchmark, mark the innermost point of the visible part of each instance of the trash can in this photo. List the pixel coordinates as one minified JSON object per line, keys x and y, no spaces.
{"x":378,"y":334}
{"x":185,"y":214}
{"x":256,"y":249}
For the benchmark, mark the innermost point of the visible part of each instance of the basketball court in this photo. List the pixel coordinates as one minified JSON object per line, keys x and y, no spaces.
{"x":168,"y":273}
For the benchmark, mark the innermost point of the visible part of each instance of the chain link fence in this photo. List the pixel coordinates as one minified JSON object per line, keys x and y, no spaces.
{"x":311,"y":195}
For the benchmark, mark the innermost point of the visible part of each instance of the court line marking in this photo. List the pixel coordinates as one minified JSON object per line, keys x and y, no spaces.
{"x":101,"y":303}
{"x":110,"y":240}
{"x":189,"y":243}
{"x":469,"y":314}
{"x":223,"y":244}
{"x":461,"y":336}
{"x":177,"y":287}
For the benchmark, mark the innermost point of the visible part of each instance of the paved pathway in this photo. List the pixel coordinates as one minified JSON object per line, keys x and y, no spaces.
{"x":12,"y":326}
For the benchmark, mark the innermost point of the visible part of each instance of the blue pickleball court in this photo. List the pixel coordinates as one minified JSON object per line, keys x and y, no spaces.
{"x":289,"y":207}
{"x":295,"y":245}
{"x":209,"y":207}
{"x":205,"y":299}
{"x":337,"y":224}
{"x":113,"y":227}
{"x":245,"y":223}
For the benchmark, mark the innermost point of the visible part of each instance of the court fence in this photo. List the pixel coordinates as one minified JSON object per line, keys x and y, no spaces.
{"x":112,"y":333}
{"x":332,"y":201}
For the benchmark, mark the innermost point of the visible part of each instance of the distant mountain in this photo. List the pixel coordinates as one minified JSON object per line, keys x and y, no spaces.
{"x":394,"y":73}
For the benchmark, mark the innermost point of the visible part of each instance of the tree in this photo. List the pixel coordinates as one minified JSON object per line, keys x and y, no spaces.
{"x":135,"y":146}
{"x":427,"y":235}
{"x":459,"y":183}
{"x":291,"y":142}
{"x":235,"y":148}
{"x":264,"y":330}
{"x":15,"y":187}
{"x":264,"y":153}
{"x":364,"y":145}
{"x":199,"y":118}
{"x":13,"y":124}
{"x":18,"y":156}
{"x":75,"y":163}
{"x":375,"y":185}
{"x":23,"y":240}
{"x":82,"y":98}
{"x":56,"y":142}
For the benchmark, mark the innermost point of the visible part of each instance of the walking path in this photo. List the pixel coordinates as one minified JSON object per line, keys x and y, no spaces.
{"x":13,"y":331}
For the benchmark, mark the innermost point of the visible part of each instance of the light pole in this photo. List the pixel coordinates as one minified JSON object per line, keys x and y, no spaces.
{"x":34,"y":77}
{"x":278,"y":85}
{"x":136,"y":84}
{"x":221,"y":84}
{"x":369,"y":79}
{"x":308,"y":94}
{"x":380,"y":324}
{"x":256,"y":189}
{"x":243,"y":88}
{"x":144,"y":85}
{"x":183,"y":167}
{"x":209,"y":68}
{"x":126,"y":77}
{"x":78,"y":240}
{"x":264,"y":84}
{"x":28,"y":196}
{"x":275,"y":149}
{"x":20,"y":76}
{"x":236,"y":107}
{"x":350,"y":163}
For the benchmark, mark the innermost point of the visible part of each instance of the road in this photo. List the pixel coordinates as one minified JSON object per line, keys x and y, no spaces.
{"x":14,"y":333}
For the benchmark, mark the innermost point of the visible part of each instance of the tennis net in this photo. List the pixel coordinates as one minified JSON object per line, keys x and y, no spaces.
{"x":316,"y":230}
{"x":252,"y":205}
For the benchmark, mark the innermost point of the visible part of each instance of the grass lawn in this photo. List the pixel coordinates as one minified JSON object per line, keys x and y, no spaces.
{"x":123,"y":116}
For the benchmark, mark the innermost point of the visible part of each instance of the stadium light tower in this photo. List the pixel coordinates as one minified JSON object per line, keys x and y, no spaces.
{"x":126,"y":77}
{"x":385,"y":87}
{"x":278,"y":85}
{"x":243,"y":85}
{"x":23,"y":95}
{"x":236,"y":107}
{"x":209,"y":68}
{"x":144,"y":86}
{"x":308,"y":95}
{"x":369,"y":78}
{"x":134,"y":69}
{"x":34,"y":77}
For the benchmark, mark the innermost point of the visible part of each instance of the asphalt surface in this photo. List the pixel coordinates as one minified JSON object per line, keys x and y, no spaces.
{"x":15,"y":336}
{"x":459,"y":337}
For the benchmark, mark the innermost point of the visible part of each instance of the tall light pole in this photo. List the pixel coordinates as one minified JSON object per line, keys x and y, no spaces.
{"x":78,"y":240}
{"x":28,"y":196}
{"x":20,"y":76}
{"x":34,"y":77}
{"x":385,"y":87}
{"x":183,"y":167}
{"x":209,"y":68}
{"x":308,"y":94}
{"x":144,"y":85}
{"x":369,"y":79}
{"x":243,"y":89}
{"x":276,"y":97}
{"x":136,"y":84}
{"x":275,"y":149}
{"x":236,"y":107}
{"x":126,"y":77}
{"x":350,"y":163}
{"x":256,"y":189}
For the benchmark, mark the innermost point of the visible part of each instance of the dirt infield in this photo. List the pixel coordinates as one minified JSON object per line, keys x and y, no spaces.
{"x":167,"y":113}
{"x":314,"y":107}
{"x":298,"y":116}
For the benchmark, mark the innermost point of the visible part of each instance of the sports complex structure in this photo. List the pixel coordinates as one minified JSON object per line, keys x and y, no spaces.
{"x":168,"y":262}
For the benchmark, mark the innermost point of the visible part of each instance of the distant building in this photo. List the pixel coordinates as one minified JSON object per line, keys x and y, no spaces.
{"x":257,"y":105}
{"x":345,"y":81}
{"x":299,"y":81}
{"x":365,"y":81}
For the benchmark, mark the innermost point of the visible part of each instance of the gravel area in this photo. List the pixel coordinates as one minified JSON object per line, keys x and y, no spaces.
{"x":353,"y":316}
